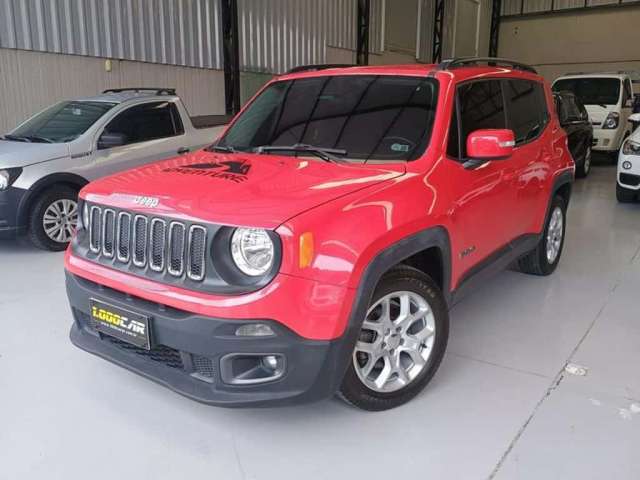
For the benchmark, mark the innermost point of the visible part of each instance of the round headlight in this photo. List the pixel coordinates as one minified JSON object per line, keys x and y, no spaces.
{"x":252,"y":251}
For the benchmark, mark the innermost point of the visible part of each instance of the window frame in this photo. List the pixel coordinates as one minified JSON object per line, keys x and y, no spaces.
{"x":176,"y":123}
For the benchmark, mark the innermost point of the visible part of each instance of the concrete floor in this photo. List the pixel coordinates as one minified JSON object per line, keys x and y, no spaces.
{"x":500,"y":407}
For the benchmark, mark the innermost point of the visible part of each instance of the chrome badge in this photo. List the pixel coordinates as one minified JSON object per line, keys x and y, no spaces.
{"x":149,"y":202}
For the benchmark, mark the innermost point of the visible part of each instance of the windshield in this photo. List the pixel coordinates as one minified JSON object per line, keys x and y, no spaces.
{"x":368,"y":116}
{"x":591,"y":91}
{"x":63,"y":122}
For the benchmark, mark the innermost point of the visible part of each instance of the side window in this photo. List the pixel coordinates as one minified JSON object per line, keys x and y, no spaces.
{"x":146,"y":122}
{"x":573,"y":112}
{"x":480,"y":106}
{"x":526,"y":108}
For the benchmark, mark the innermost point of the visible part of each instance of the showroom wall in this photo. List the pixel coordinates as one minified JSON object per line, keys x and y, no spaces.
{"x":601,"y":39}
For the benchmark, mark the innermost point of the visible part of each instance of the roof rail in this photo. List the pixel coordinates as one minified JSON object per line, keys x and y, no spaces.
{"x":311,"y":68}
{"x":491,"y":61}
{"x":156,"y":90}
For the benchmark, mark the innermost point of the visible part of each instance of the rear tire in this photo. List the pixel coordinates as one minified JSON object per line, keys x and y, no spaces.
{"x":624,"y":195}
{"x":397,"y":353}
{"x":544,"y":259}
{"x":583,"y":169}
{"x":53,"y":218}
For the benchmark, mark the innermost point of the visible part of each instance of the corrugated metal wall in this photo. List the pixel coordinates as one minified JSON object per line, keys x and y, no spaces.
{"x":277,"y":35}
{"x":274,"y":35}
{"x":517,"y":7}
{"x":158,"y":31}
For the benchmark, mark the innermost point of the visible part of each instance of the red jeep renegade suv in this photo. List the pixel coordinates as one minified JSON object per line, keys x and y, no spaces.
{"x":316,"y":247}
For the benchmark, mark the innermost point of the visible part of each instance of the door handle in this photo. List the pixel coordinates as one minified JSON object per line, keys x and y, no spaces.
{"x":183,"y":150}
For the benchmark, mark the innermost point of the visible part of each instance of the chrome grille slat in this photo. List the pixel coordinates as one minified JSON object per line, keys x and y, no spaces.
{"x":135,"y":240}
{"x":139,"y":243}
{"x":176,"y":250}
{"x":108,"y":232}
{"x":196,"y":246}
{"x":123,"y":236}
{"x":157,"y":244}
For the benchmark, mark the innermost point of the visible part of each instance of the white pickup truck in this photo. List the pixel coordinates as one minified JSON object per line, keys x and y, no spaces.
{"x":46,"y":160}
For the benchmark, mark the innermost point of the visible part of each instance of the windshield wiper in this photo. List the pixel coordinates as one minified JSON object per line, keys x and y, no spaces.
{"x":38,"y":139}
{"x":221,"y":148}
{"x":326,"y":154}
{"x":16,"y":138}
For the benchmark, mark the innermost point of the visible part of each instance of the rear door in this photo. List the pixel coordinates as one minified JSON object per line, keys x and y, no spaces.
{"x":528,"y":117}
{"x":153,"y":131}
{"x":483,"y":194}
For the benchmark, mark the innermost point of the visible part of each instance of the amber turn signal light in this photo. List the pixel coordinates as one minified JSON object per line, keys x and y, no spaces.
{"x":306,"y":250}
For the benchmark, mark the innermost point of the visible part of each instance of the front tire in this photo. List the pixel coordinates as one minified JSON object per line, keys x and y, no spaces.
{"x":53,"y":218}
{"x":544,"y":259}
{"x":624,"y":195}
{"x":401,"y":344}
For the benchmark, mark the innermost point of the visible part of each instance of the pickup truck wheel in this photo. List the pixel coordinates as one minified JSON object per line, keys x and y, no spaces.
{"x":53,"y":218}
{"x":401,"y":343}
{"x":544,"y":259}
{"x":624,"y":195}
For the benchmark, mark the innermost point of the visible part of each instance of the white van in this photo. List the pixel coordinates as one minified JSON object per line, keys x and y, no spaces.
{"x":608,"y":98}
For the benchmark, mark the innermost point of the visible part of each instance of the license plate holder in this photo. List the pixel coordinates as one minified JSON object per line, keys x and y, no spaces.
{"x":121,"y":323}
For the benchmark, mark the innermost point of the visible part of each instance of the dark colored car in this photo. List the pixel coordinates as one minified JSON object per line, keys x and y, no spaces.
{"x":575,"y":121}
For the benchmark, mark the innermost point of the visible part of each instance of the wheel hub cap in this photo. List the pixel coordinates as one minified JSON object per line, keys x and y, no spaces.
{"x":60,"y":220}
{"x":396,"y":341}
{"x":554,"y":234}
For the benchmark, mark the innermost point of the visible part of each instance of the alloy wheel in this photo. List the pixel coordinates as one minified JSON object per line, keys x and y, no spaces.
{"x":60,"y":219}
{"x":554,"y":234}
{"x":396,"y":341}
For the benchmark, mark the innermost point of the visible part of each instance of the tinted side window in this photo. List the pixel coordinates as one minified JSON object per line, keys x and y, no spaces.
{"x":480,"y":106}
{"x":145,"y":122}
{"x":526,"y":107}
{"x":627,"y":92}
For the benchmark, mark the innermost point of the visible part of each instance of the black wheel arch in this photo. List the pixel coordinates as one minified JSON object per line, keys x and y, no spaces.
{"x":407,"y":250}
{"x":67,"y":179}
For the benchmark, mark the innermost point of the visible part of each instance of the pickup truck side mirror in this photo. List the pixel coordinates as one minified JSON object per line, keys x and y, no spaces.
{"x":110,"y":140}
{"x":490,"y":144}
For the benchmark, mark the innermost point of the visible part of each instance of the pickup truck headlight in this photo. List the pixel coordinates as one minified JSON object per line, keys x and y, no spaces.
{"x":252,"y":251}
{"x":8,"y":176}
{"x":612,"y":121}
{"x":631,"y":148}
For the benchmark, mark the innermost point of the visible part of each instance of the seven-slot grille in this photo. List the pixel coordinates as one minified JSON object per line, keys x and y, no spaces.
{"x":161,"y":245}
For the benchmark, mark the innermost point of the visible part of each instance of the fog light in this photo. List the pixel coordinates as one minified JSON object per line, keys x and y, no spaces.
{"x":270,"y":362}
{"x":626,"y":165}
{"x":254,"y":330}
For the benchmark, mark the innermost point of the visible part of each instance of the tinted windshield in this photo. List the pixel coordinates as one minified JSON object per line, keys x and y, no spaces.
{"x":63,"y":122}
{"x":369,"y":116}
{"x":591,"y":91}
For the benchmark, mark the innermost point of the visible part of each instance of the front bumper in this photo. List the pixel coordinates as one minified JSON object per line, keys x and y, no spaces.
{"x":188,"y":349}
{"x":605,"y":140}
{"x":629,"y":178}
{"x":9,"y":206}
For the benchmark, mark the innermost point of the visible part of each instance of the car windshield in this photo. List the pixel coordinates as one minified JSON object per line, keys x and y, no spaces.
{"x":591,"y":91}
{"x":62,"y":122}
{"x":368,"y":117}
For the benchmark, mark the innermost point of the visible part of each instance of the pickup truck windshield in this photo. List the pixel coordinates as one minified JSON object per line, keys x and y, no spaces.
{"x":592,"y":91}
{"x":371,"y":117}
{"x":60,"y":123}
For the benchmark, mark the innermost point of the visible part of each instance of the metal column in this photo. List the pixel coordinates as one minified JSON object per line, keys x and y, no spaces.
{"x":231,"y":55}
{"x":438,"y":25}
{"x":362,"y":55}
{"x":494,"y":34}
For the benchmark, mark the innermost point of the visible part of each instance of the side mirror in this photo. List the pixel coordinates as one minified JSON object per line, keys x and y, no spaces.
{"x":629,"y":103}
{"x":634,"y":118}
{"x":110,"y":140}
{"x":490,"y":144}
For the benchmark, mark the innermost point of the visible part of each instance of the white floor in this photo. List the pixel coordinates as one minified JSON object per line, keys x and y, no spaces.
{"x":500,"y":407}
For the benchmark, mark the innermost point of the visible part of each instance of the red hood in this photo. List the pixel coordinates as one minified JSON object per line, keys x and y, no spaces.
{"x":236,"y":189}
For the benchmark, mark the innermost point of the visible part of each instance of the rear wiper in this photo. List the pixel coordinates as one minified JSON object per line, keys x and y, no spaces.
{"x":326,"y":154}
